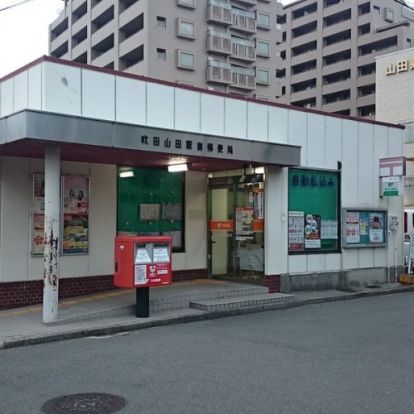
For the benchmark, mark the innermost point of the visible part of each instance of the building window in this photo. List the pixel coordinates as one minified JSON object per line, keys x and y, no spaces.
{"x":262,"y":48}
{"x":263,"y":20}
{"x":389,"y":15}
{"x":262,"y":76}
{"x":142,"y":205}
{"x":186,"y":3}
{"x":185,"y":28}
{"x":161,"y":54}
{"x":161,"y":22}
{"x":185,"y":60}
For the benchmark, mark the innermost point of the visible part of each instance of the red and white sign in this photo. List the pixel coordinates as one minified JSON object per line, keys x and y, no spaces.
{"x":391,"y":167}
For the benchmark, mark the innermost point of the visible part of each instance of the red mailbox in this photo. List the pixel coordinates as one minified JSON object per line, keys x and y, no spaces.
{"x":142,"y":261}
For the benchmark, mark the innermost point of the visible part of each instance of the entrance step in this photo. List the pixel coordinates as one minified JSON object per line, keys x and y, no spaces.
{"x":174,"y":297}
{"x":182,"y":300}
{"x":240,"y":302}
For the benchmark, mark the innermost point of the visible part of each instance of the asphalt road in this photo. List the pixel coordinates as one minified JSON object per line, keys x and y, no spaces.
{"x":342,"y":357}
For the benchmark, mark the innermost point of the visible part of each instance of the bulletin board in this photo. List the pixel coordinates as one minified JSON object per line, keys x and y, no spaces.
{"x":314,"y":214}
{"x":364,"y":228}
{"x":151,"y":203}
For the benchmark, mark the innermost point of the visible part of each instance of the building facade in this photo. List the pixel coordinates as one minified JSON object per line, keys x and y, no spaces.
{"x":395,"y":103}
{"x":311,"y":217}
{"x":330,"y":48}
{"x":224,"y":45}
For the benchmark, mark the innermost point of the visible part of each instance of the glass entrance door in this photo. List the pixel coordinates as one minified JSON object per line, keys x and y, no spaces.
{"x":236,"y":225}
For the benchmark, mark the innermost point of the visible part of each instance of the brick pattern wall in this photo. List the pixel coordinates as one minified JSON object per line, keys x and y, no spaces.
{"x":272,"y":282}
{"x":16,"y":294}
{"x":180,"y":275}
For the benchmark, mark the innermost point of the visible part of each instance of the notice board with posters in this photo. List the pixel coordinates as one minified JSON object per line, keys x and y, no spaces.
{"x":364,"y":227}
{"x":75,"y":217}
{"x":314,"y":213}
{"x":151,"y":203}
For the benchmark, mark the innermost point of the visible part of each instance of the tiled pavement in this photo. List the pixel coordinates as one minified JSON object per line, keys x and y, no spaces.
{"x":113,"y":311}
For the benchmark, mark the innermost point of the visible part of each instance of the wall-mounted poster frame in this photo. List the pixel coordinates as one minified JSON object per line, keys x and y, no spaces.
{"x":364,"y":227}
{"x":75,"y":228}
{"x":38,"y":214}
{"x":74,"y":215}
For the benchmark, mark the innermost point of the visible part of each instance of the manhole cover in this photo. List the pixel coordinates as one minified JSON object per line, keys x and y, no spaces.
{"x":92,"y":403}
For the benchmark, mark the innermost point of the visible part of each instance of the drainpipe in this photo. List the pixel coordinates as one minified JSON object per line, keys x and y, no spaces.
{"x":52,"y":232}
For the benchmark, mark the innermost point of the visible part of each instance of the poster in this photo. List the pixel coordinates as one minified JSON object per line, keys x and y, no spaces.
{"x":75,"y":214}
{"x":352,"y":223}
{"x":38,"y":214}
{"x":296,"y":226}
{"x":142,"y":256}
{"x":244,"y":222}
{"x":312,"y":231}
{"x":258,"y":200}
{"x":149,"y":212}
{"x":376,"y":226}
{"x":329,"y":229}
{"x":160,"y":254}
{"x":140,"y":275}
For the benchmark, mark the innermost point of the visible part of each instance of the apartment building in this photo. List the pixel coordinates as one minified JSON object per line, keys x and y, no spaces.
{"x":329,"y":49}
{"x":224,"y":45}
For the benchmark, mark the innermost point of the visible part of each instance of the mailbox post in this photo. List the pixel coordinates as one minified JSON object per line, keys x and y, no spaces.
{"x":141,"y":263}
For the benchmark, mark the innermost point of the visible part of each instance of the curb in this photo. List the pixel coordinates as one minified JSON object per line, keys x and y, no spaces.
{"x":174,"y":320}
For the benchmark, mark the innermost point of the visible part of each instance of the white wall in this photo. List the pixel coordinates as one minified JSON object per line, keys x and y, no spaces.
{"x":15,"y":221}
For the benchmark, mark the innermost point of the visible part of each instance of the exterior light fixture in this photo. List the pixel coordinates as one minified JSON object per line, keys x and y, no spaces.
{"x":126,"y":174}
{"x":259,"y":170}
{"x":178,"y":167}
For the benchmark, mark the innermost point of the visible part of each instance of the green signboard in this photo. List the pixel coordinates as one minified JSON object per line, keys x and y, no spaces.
{"x":151,"y":202}
{"x":313,"y":203}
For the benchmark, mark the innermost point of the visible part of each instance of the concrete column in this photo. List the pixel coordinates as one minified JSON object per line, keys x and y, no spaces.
{"x":275,"y":221}
{"x":52,"y":233}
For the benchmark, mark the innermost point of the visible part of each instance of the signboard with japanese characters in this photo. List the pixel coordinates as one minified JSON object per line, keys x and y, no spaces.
{"x":313,"y":217}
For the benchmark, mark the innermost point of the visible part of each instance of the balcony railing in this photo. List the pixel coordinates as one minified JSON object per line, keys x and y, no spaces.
{"x":219,"y":43}
{"x":219,"y":12}
{"x":219,"y":72}
{"x":243,"y":78}
{"x":243,"y":49}
{"x":244,"y":21}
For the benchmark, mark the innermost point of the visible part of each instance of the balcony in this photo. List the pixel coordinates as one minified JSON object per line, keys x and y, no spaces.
{"x":243,"y":21}
{"x":219,"y":12}
{"x":243,"y":78}
{"x":219,"y":72}
{"x":248,"y":2}
{"x":219,"y":43}
{"x":243,"y":50}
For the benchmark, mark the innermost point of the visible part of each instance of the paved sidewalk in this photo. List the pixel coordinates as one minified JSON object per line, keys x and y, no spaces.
{"x":113,"y":312}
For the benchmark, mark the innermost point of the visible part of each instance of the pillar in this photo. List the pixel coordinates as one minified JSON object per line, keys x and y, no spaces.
{"x":275,"y":221}
{"x":52,"y":234}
